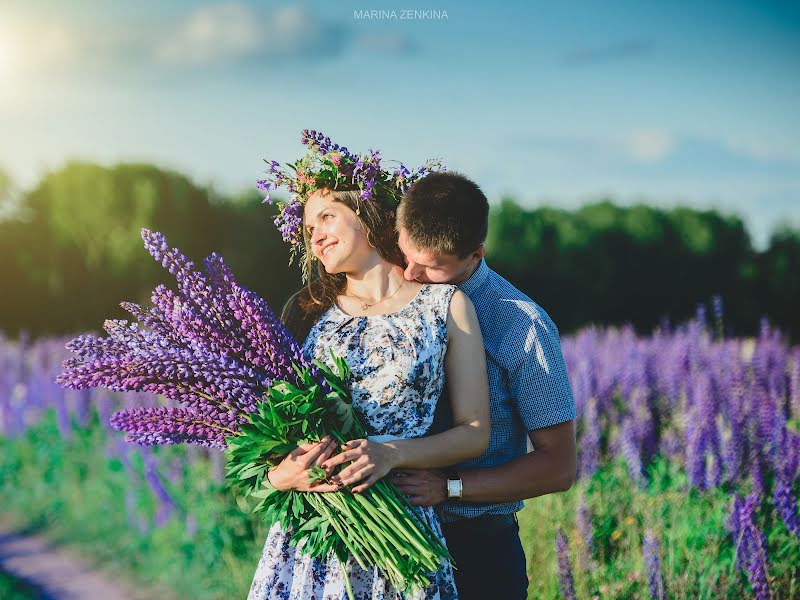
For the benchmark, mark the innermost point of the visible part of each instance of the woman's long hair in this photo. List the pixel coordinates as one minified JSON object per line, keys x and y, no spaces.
{"x":306,"y":306}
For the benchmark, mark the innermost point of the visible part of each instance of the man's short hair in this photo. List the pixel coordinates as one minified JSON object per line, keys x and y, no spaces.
{"x":445,"y":213}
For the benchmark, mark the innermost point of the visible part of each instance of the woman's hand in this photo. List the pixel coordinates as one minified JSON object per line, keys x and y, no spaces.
{"x":292,"y":473}
{"x":369,"y":462}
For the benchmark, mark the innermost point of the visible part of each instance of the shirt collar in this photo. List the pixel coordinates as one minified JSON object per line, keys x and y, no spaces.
{"x":476,"y":280}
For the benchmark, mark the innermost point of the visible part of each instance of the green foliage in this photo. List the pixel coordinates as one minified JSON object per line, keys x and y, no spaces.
{"x":77,"y":491}
{"x":82,"y":495}
{"x":696,"y":550}
{"x":376,"y":527}
{"x":77,"y":253}
{"x":610,"y":265}
{"x":14,"y":589}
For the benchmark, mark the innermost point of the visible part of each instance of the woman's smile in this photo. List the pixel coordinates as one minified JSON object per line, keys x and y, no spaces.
{"x":327,"y":249}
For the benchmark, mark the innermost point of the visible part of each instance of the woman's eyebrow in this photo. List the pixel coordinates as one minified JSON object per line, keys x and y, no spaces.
{"x":316,"y":215}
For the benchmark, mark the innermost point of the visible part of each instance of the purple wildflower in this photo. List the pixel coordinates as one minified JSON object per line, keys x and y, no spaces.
{"x":585,"y":529}
{"x":630,"y":451}
{"x":652,"y":563}
{"x":783,"y":496}
{"x":751,"y":546}
{"x":212,"y":346}
{"x":290,"y":222}
{"x":564,"y":569}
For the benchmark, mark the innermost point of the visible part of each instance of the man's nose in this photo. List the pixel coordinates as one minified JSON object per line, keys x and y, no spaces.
{"x":412,"y":272}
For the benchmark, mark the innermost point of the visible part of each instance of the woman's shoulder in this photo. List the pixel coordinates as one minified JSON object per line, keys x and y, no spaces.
{"x":437,"y":297}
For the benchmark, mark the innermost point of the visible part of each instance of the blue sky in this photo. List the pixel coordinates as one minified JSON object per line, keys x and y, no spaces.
{"x":551,"y":103}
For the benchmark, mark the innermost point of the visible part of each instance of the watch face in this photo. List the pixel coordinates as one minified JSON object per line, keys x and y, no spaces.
{"x":454,"y":488}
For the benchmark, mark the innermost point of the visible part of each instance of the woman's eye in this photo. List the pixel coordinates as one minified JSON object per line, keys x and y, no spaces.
{"x":326,"y":215}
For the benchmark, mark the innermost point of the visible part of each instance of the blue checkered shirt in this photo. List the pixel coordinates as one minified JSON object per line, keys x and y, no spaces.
{"x":528,"y":384}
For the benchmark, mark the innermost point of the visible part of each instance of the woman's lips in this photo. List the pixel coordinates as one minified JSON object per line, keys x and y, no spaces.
{"x":327,"y":249}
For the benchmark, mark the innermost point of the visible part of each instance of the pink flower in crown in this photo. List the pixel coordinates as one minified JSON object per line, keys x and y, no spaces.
{"x":336,"y":159}
{"x":302,"y":177}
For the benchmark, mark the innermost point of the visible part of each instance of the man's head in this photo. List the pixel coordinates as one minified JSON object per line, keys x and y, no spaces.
{"x":442,"y":224}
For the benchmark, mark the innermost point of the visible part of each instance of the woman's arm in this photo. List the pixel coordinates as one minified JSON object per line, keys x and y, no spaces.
{"x":468,"y":389}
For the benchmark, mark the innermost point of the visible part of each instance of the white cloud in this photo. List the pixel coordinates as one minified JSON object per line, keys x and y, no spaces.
{"x":225,"y":33}
{"x":649,"y":145}
{"x":212,"y":34}
{"x":233,"y":31}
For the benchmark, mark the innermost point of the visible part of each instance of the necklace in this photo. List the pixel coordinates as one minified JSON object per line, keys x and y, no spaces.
{"x":365,"y":305}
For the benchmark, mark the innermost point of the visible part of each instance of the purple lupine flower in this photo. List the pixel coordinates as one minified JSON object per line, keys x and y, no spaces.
{"x":166,"y":503}
{"x":590,"y":441}
{"x":757,"y":476}
{"x":793,"y":383}
{"x":62,"y":418}
{"x":783,"y":496}
{"x":786,"y":505}
{"x":751,"y":546}
{"x":734,"y":525}
{"x":655,"y":581}
{"x":717,"y":310}
{"x":212,"y":347}
{"x":564,"y":568}
{"x":697,"y":411}
{"x":583,"y":521}
{"x":630,"y":452}
{"x":168,"y":425}
{"x":735,"y":445}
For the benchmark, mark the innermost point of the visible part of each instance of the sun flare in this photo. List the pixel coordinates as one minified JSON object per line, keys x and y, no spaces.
{"x":6,"y":57}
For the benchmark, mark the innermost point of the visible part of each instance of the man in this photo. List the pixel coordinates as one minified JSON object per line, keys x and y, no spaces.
{"x":442,"y":224}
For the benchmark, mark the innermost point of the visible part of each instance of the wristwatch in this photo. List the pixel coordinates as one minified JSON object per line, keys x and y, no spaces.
{"x":454,"y":484}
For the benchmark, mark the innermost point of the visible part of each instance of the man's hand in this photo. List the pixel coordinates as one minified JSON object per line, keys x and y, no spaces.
{"x":292,"y":473}
{"x":422,"y":487}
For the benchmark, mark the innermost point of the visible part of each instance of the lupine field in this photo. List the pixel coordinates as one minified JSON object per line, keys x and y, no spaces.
{"x":688,"y":458}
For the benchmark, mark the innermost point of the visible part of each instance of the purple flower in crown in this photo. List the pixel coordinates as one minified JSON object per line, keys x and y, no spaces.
{"x":328,"y":165}
{"x":290,"y":222}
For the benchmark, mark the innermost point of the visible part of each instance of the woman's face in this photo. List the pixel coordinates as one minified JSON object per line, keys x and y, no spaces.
{"x":338,"y":238}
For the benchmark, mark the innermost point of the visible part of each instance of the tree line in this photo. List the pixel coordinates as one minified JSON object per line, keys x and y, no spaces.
{"x":72,"y":252}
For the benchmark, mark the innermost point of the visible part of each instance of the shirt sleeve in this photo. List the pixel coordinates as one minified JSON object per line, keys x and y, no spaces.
{"x":538,"y":375}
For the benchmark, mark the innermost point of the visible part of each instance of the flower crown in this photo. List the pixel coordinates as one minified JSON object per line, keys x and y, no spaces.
{"x":330,"y":166}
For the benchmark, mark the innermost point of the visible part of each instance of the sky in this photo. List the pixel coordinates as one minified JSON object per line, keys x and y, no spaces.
{"x":548,"y":103}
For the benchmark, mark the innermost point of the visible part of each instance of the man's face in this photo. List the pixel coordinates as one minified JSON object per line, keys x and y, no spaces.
{"x":427,"y":266}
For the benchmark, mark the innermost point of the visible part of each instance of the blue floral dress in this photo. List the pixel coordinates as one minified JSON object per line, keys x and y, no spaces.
{"x":397,"y":363}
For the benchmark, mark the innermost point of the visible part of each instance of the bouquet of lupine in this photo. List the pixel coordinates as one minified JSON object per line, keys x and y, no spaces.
{"x":244,"y":386}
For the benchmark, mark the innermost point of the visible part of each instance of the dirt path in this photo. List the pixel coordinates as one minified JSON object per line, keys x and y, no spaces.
{"x":59,"y":573}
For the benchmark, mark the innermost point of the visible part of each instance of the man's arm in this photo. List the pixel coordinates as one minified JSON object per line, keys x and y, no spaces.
{"x":551,"y":467}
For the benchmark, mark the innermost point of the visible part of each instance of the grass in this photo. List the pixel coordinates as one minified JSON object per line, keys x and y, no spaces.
{"x":209,"y":548}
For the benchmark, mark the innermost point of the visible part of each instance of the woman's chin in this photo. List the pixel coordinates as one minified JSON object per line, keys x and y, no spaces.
{"x":331,"y":267}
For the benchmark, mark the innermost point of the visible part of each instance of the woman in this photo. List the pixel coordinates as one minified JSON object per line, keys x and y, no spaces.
{"x":402,"y":340}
